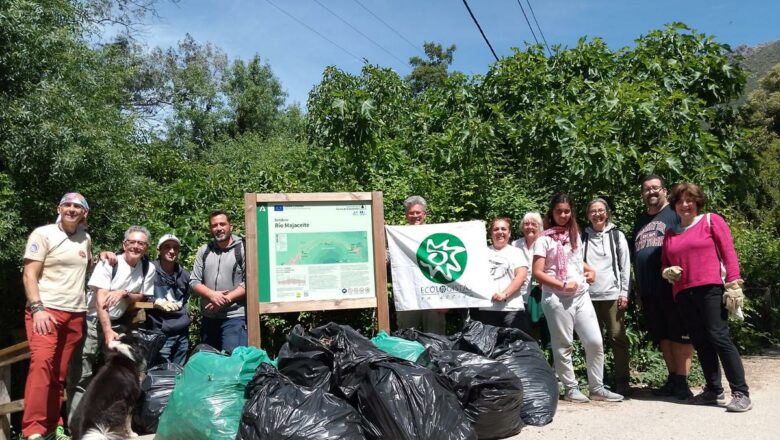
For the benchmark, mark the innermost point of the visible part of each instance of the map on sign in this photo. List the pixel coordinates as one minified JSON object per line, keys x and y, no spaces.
{"x":315,"y":251}
{"x":321,"y":248}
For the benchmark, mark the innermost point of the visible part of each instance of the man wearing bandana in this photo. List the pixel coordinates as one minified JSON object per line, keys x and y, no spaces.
{"x":56,"y":260}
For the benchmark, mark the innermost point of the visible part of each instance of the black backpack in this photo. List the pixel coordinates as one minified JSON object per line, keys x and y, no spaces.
{"x":237,"y":250}
{"x":614,"y":237}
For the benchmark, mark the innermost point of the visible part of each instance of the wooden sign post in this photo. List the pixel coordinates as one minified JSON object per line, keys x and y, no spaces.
{"x":314,"y":251}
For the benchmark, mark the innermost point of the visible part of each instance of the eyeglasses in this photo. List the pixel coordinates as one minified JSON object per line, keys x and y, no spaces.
{"x":598,"y":211}
{"x":652,"y":189}
{"x":136,"y":242}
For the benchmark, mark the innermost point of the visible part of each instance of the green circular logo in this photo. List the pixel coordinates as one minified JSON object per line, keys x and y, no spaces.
{"x":442,"y":258}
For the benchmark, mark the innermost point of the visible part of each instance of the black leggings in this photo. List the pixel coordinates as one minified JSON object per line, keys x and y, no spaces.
{"x":707,"y":320}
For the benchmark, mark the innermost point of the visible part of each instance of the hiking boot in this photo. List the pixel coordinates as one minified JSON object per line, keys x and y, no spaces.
{"x":576,"y":396}
{"x":33,"y":437}
{"x":681,"y":389}
{"x":739,"y":403}
{"x":706,"y":397}
{"x":605,"y":395}
{"x":666,"y":389}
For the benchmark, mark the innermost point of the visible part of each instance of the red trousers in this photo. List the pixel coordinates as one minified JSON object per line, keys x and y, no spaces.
{"x":49,"y":358}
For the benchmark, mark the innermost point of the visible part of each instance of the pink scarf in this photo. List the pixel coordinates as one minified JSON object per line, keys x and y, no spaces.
{"x":560,"y":236}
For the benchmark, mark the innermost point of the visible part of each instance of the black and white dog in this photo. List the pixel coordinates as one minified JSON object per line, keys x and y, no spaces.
{"x":106,"y":410}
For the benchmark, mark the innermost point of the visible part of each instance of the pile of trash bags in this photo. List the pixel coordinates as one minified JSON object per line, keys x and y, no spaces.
{"x":332,"y":382}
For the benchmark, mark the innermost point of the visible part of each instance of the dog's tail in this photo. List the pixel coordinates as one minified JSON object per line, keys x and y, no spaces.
{"x":101,"y":432}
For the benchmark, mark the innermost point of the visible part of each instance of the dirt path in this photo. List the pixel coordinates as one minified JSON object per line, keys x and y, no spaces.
{"x":643,"y":417}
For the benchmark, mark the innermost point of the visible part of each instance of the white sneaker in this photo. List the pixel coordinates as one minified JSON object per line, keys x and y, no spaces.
{"x":605,"y":395}
{"x":576,"y":396}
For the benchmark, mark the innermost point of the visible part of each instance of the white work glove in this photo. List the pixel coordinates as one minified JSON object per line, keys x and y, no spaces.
{"x":672,"y":274}
{"x":734,"y":299}
{"x":165,"y":305}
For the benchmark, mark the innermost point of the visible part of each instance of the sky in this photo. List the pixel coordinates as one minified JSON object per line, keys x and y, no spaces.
{"x":300,"y":38}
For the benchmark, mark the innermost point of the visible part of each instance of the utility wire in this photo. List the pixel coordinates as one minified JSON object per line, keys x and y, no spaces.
{"x":539,"y":27}
{"x":315,"y":31}
{"x":480,"y":29}
{"x":389,"y":27}
{"x":358,"y":31}
{"x":527,"y":22}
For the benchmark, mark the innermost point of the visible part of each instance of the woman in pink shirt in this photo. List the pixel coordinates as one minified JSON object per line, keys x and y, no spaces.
{"x":691,"y":258}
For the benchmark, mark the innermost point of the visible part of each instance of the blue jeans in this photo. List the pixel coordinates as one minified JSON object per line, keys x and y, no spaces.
{"x":223,"y":334}
{"x":175,"y":349}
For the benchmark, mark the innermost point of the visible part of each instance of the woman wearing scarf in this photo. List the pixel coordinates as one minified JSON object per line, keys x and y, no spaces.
{"x":694,"y":256}
{"x":559,"y":267}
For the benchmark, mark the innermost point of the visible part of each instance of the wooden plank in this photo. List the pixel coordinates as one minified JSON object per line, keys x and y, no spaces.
{"x":312,"y":197}
{"x":141,"y":305}
{"x":12,"y":407}
{"x":309,"y":306}
{"x":12,"y":350}
{"x":252,"y":281}
{"x":380,"y":262}
{"x":14,"y":359}
{"x":5,"y":397}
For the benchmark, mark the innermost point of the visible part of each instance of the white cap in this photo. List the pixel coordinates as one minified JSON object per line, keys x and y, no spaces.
{"x":167,"y":237}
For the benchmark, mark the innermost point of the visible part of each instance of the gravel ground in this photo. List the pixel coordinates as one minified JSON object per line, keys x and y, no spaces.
{"x":644,"y":417}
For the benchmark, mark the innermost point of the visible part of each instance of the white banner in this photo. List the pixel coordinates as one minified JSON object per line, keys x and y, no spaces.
{"x":439,"y":266}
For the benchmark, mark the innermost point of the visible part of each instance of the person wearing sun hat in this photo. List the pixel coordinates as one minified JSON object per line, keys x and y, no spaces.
{"x":56,"y":260}
{"x":171,"y":292}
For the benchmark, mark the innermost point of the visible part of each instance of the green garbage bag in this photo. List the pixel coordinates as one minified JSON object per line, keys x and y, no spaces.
{"x":398,"y":347}
{"x":208,"y":398}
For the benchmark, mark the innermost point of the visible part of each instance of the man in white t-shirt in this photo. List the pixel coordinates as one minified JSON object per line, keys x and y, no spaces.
{"x":113,"y":288}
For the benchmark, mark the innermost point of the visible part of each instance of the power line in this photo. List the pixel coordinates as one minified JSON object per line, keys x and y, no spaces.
{"x":361,"y":33}
{"x":315,"y":31}
{"x":539,"y":27}
{"x":389,"y":27}
{"x":526,"y":21}
{"x":480,"y":29}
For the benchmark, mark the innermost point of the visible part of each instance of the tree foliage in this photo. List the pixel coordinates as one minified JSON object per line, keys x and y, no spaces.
{"x":432,"y":71}
{"x":162,"y":136}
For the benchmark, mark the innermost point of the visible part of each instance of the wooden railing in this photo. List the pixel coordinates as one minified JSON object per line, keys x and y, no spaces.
{"x":8,"y":357}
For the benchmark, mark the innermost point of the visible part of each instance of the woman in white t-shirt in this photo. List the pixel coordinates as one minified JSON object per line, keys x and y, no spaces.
{"x":559,"y":267}
{"x":508,"y":272}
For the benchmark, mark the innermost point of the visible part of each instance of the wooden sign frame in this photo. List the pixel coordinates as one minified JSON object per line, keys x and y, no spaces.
{"x":255,"y":308}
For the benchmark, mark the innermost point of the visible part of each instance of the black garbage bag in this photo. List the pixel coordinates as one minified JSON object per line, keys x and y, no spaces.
{"x":278,"y":409}
{"x":521,"y":354}
{"x":206,"y":348}
{"x":487,"y":340}
{"x":431,"y":341}
{"x":153,"y":343}
{"x":402,"y":400}
{"x":307,"y":361}
{"x":491,"y":394}
{"x":348,"y":346}
{"x":398,"y":399}
{"x":156,"y":389}
{"x":540,"y":387}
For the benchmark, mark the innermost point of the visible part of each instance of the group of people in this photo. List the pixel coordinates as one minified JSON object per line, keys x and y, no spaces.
{"x":687,"y":283}
{"x":685,"y":266}
{"x":66,"y":324}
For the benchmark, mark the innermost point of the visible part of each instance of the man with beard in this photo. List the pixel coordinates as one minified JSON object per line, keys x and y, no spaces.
{"x":662,"y":317}
{"x":218,"y":278}
{"x":171,"y":292}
